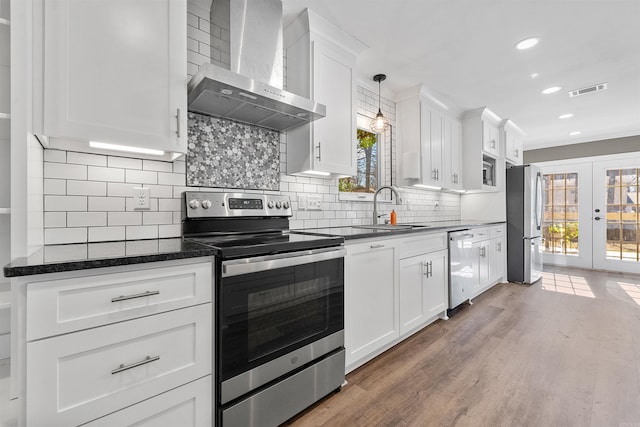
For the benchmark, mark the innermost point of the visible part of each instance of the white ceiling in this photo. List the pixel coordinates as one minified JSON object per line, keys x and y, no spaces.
{"x":463,"y":52}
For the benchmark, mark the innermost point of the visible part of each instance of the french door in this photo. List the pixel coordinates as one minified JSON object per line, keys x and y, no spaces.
{"x":592,"y":214}
{"x":616,"y":224}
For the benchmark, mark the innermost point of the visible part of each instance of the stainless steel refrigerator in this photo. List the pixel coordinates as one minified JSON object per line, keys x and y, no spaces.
{"x":524,"y":224}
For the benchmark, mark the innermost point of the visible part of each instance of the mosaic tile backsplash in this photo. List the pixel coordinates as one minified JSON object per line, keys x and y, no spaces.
{"x":226,"y":154}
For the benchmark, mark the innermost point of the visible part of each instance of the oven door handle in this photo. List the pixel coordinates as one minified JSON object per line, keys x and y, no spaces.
{"x":269,"y":262}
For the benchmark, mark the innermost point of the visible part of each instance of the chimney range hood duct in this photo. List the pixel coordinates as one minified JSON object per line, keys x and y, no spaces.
{"x":256,"y":56}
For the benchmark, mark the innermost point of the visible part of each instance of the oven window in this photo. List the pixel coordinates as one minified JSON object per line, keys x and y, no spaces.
{"x":267,"y":314}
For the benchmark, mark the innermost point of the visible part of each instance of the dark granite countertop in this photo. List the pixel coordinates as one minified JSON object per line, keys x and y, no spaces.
{"x":352,"y":233}
{"x":81,"y":256}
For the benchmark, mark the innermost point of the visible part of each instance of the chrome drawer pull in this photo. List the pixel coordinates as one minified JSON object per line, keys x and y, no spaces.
{"x":141,"y":295}
{"x":124,"y":367}
{"x":377,"y":246}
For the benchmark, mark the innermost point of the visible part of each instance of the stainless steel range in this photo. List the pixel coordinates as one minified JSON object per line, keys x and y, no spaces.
{"x":279,"y":341}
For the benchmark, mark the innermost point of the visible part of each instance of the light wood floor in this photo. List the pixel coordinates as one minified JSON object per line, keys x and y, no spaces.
{"x":562,"y":352}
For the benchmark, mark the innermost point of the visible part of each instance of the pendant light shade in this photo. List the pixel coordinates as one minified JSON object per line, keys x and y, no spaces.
{"x":379,"y":123}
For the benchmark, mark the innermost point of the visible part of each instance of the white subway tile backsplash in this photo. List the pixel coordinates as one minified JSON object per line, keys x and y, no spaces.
{"x":86,"y":159}
{"x":192,"y":45}
{"x":65,"y":203}
{"x":154,"y":165}
{"x":168,"y":205}
{"x":171,"y":178}
{"x":86,"y":219}
{"x":173,"y":230}
{"x":110,"y":174}
{"x":86,"y":188}
{"x":165,"y":191}
{"x":197,"y":58}
{"x":56,"y":156}
{"x":192,"y":20}
{"x":57,"y":236}
{"x":107,"y":204}
{"x":124,"y":218}
{"x":141,"y":177}
{"x":106,"y":234}
{"x":156,"y":218}
{"x":124,"y":162}
{"x":179,"y":166}
{"x":71,"y":180}
{"x":55,"y":186}
{"x":135,"y":232}
{"x":64,"y":171}
{"x":197,"y":34}
{"x":117,"y":189}
{"x":55,"y":219}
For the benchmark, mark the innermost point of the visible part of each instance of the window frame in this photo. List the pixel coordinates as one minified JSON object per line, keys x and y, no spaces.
{"x":362,"y":122}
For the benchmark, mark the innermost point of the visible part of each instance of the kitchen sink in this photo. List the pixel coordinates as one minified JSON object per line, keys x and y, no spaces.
{"x":390,"y":226}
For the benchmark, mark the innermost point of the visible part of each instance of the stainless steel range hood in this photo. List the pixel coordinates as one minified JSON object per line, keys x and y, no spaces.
{"x":251,"y":90}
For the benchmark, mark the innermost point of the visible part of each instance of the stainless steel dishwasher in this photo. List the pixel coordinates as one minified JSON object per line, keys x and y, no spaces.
{"x":464,"y":265}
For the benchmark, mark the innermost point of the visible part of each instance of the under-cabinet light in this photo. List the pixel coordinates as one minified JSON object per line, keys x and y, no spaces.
{"x":456,"y":191}
{"x":527,"y":43}
{"x":565,"y":116}
{"x":127,"y":148}
{"x":317,"y":173}
{"x":429,"y":187}
{"x":574,"y":133}
{"x":551,"y":90}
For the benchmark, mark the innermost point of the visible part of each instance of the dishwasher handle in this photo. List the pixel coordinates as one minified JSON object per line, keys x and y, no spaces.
{"x":457,"y":237}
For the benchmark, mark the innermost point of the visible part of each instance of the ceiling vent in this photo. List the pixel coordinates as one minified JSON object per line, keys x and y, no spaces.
{"x":588,"y":89}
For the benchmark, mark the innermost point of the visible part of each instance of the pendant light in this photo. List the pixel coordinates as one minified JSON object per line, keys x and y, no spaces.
{"x":380,"y":123}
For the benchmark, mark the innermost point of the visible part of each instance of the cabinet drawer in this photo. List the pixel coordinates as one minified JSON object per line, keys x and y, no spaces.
{"x":65,"y":305}
{"x":76,"y":378}
{"x":186,"y":406}
{"x":425,"y":243}
{"x":497,"y":231}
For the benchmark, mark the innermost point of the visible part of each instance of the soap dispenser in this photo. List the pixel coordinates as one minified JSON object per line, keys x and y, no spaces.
{"x":394,"y":217}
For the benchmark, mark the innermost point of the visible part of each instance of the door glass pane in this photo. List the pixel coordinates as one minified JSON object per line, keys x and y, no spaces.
{"x":560,"y":221}
{"x":622,"y":214}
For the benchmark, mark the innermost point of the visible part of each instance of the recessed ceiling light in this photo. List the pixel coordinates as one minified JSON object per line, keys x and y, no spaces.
{"x":565,"y":116}
{"x":574,"y":133}
{"x":527,"y":43}
{"x":553,"y":89}
{"x":534,"y":75}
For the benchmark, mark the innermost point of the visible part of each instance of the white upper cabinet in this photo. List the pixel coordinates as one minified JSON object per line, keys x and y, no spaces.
{"x":113,"y":71}
{"x":511,"y":138}
{"x":452,"y":175}
{"x":429,"y":143}
{"x":321,"y":62}
{"x":482,"y":159}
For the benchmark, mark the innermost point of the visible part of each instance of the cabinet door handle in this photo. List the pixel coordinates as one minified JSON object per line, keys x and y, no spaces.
{"x":134,"y":296}
{"x":144,"y":361}
{"x":178,"y":122}
{"x":319,"y":155}
{"x":499,"y":246}
{"x":493,"y":143}
{"x":482,"y":252}
{"x":430,"y":268}
{"x":517,"y":152}
{"x":377,"y":246}
{"x":425,"y":268}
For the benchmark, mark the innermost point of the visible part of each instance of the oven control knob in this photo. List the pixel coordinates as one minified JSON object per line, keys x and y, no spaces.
{"x":206,"y":204}
{"x":285,"y":205}
{"x":278,"y":204}
{"x":270,"y":204}
{"x":194,"y":204}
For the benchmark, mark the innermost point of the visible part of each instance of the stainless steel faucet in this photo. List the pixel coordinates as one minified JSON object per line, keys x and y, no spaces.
{"x":375,"y":200}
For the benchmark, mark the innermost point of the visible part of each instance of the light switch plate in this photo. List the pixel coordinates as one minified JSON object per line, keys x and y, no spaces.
{"x":302,"y":202}
{"x":140,"y":198}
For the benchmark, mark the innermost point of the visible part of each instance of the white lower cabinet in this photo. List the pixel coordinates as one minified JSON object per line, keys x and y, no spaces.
{"x":423,"y":289}
{"x":393,"y":287}
{"x":125,"y":345}
{"x":492,"y":258}
{"x":185,"y":406}
{"x":371,"y":298}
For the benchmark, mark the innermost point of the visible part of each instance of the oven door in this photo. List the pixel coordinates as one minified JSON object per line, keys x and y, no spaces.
{"x":276,"y":314}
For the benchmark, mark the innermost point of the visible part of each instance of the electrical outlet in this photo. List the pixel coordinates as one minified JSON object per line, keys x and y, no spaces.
{"x":140,"y":198}
{"x":315,"y":202}
{"x":302,"y":203}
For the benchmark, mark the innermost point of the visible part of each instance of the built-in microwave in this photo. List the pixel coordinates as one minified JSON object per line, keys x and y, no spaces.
{"x":488,"y":172}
